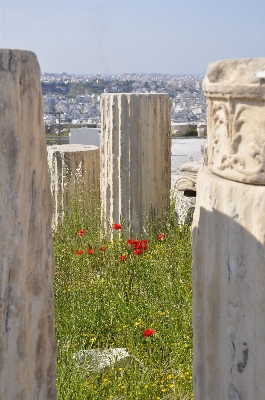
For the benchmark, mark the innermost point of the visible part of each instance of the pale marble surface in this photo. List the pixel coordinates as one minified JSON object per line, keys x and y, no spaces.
{"x":27,"y":342}
{"x":135,"y":150}
{"x":235,"y":91}
{"x":228,"y":289}
{"x":72,"y":167}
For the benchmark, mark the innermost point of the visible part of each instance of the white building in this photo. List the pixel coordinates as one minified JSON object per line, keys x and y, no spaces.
{"x":84,"y":136}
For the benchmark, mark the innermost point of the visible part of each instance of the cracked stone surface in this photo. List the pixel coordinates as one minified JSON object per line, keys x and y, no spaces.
{"x":228,"y":289}
{"x":228,"y":236}
{"x":27,"y":342}
{"x":96,"y":360}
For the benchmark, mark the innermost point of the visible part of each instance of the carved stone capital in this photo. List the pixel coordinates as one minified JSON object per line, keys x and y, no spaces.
{"x":236,"y":119}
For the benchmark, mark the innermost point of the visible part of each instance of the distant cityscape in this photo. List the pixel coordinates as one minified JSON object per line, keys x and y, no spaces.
{"x":75,"y":99}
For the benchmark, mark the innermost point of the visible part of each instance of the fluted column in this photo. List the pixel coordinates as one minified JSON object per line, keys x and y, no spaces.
{"x":135,"y":159}
{"x":27,"y":342}
{"x":74,"y":168}
{"x":229,"y":239}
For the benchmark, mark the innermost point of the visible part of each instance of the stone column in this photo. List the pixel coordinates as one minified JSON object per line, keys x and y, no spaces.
{"x":74,"y":169}
{"x":135,"y":157}
{"x":229,"y":237}
{"x":27,"y":342}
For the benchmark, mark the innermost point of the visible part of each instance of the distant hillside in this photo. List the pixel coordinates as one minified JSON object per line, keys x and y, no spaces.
{"x":76,"y":88}
{"x":55,"y":87}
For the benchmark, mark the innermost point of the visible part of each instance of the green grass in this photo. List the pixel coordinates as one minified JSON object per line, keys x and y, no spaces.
{"x":103,"y":302}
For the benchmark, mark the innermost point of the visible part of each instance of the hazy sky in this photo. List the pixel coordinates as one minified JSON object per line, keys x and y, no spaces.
{"x":112,"y":37}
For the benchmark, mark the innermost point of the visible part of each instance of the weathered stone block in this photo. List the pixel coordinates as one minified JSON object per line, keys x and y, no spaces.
{"x":188,"y":176}
{"x":135,"y":162}
{"x":185,"y":192}
{"x":27,"y":342}
{"x":235,"y":91}
{"x":73,"y":169}
{"x":228,"y":289}
{"x":184,"y":207}
{"x":98,"y":360}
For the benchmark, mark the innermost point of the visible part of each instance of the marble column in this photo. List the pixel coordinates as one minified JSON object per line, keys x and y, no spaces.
{"x":74,"y":170}
{"x":27,"y":341}
{"x":229,"y":237}
{"x":135,"y":159}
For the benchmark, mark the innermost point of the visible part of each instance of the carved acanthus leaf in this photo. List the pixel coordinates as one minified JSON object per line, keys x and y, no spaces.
{"x":232,"y":161}
{"x":258,"y":154}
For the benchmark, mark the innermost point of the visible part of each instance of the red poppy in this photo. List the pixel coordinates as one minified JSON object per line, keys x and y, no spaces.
{"x":161,"y":236}
{"x":148,"y":332}
{"x":81,"y":232}
{"x":140,"y":244}
{"x":130,"y":241}
{"x":116,"y":226}
{"x":123,"y":257}
{"x":103,"y":248}
{"x":138,"y":252}
{"x":79,"y":252}
{"x":90,"y":251}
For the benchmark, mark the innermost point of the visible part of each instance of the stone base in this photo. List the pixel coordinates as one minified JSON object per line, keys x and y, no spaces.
{"x":228,"y":289}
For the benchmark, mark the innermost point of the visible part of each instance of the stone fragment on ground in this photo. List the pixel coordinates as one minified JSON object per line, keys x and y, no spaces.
{"x":96,"y":360}
{"x":185,"y":192}
{"x":188,"y":176}
{"x":184,"y":208}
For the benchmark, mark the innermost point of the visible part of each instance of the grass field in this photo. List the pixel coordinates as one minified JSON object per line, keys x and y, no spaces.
{"x":108,"y":297}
